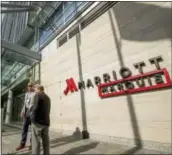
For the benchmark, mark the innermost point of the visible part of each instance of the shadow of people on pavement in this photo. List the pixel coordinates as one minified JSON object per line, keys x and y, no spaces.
{"x":9,"y":131}
{"x":76,"y":136}
{"x":77,"y":133}
{"x":132,"y":150}
{"x":80,"y":149}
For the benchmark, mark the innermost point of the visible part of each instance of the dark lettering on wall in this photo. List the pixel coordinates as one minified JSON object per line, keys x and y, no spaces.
{"x":129,"y":85}
{"x":125,"y":72}
{"x":104,"y":89}
{"x":161,"y":79}
{"x":97,"y":80}
{"x":81,"y":85}
{"x":106,"y":77}
{"x":156,"y":61}
{"x":89,"y":83}
{"x":114,"y":75}
{"x":120,"y":86}
{"x":158,"y":78}
{"x":140,"y":82}
{"x":149,"y":81}
{"x":139,"y":66}
{"x":112,"y":89}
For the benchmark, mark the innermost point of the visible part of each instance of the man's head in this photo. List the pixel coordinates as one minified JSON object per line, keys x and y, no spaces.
{"x":30,"y":86}
{"x":39,"y":88}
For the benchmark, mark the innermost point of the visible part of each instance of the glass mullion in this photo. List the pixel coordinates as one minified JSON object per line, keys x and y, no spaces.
{"x":80,"y":6}
{"x":72,"y":3}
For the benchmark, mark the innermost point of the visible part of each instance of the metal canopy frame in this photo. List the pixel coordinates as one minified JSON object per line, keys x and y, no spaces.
{"x":21,"y":50}
{"x":20,"y":8}
{"x":14,"y":59}
{"x":10,"y":5}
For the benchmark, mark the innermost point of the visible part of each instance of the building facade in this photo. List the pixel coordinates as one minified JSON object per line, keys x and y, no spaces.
{"x":108,"y":72}
{"x":125,"y":34}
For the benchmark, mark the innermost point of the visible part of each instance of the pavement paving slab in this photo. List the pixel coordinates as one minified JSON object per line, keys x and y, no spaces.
{"x":63,"y":144}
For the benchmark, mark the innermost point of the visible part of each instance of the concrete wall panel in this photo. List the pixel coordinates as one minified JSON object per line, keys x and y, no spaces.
{"x":128,"y":33}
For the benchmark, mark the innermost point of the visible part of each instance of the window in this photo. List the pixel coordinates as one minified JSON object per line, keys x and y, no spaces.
{"x":44,"y":35}
{"x":60,"y":21}
{"x":80,"y":5}
{"x":45,"y":32}
{"x":69,"y":11}
{"x":65,"y":12}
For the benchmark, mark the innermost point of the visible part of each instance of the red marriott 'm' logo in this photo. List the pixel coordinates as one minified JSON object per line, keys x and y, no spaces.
{"x":71,"y":86}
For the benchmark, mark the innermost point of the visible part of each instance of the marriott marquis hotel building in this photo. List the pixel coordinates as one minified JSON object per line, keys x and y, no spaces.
{"x":105,"y":65}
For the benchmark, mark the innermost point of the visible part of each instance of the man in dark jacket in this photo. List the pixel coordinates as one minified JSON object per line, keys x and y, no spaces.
{"x":40,"y":120}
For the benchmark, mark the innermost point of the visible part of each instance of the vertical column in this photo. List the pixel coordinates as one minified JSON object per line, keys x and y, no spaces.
{"x":9,"y":107}
{"x":2,"y":119}
{"x":85,"y":133}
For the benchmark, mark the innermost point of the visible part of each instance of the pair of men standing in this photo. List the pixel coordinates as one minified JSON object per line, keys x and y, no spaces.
{"x":36,"y":111}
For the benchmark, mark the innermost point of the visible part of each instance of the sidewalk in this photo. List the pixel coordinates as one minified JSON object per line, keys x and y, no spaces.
{"x":60,"y":144}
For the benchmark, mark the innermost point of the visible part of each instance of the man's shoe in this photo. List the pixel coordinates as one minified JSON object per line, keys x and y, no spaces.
{"x":19,"y":148}
{"x":30,"y":148}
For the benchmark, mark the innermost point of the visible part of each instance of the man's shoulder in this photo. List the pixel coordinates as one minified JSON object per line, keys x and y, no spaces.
{"x":45,"y":95}
{"x":42,"y":95}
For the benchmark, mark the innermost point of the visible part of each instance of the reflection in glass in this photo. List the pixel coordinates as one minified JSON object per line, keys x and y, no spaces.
{"x":66,"y":11}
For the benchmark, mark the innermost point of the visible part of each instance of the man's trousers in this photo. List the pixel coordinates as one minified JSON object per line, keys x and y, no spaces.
{"x":26,"y":124}
{"x":40,"y":132}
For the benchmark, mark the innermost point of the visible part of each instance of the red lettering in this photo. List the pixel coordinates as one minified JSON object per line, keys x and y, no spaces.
{"x":71,"y":86}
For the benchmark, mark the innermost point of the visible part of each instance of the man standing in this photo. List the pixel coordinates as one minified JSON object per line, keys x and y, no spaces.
{"x":25,"y":114}
{"x":40,"y":120}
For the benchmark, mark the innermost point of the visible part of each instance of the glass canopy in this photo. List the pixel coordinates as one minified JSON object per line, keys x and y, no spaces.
{"x":14,"y":61}
{"x":30,"y":29}
{"x":15,"y":58}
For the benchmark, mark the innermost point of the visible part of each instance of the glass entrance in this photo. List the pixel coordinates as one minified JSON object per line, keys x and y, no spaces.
{"x":17,"y":107}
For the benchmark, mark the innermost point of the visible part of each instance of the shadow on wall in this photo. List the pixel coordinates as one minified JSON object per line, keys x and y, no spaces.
{"x":76,"y":136}
{"x":117,"y":41}
{"x":143,"y":22}
{"x":139,"y":22}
